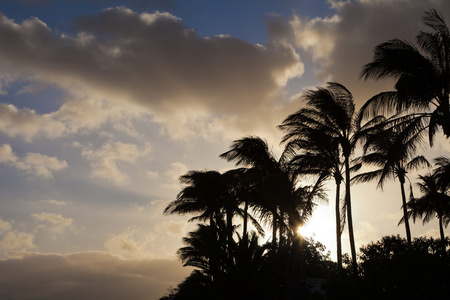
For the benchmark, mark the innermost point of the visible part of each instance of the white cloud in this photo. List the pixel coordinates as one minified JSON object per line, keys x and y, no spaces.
{"x":433,"y":233}
{"x":152,"y":175}
{"x":130,"y":243}
{"x":7,"y":155}
{"x":173,"y":228}
{"x":55,"y":202}
{"x":36,"y":164}
{"x":56,"y":222}
{"x":104,"y":161}
{"x":79,"y":112}
{"x":366,"y":232}
{"x":13,"y":241}
{"x":53,"y":219}
{"x":173,"y":174}
{"x":4,"y":226}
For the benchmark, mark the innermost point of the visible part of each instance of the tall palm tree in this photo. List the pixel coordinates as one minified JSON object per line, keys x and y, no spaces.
{"x":315,"y":153}
{"x":422,"y":76}
{"x":330,"y":112}
{"x":393,"y":150}
{"x":433,"y":202}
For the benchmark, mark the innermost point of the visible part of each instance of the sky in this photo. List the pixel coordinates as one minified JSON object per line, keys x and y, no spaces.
{"x":104,"y":104}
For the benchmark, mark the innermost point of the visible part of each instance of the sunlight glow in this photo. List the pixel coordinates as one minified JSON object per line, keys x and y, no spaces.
{"x":321,"y":227}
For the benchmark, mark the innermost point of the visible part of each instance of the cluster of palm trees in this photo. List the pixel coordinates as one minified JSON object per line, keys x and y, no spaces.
{"x":263,"y":191}
{"x":319,"y":142}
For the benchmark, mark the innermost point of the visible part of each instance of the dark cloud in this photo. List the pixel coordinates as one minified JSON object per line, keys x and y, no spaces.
{"x":89,"y":275}
{"x":152,"y":59}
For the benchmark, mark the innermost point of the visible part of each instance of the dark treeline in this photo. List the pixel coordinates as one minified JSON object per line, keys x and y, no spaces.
{"x":235,"y":258}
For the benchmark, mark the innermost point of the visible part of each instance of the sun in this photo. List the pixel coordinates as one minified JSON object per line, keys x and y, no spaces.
{"x":321,"y":227}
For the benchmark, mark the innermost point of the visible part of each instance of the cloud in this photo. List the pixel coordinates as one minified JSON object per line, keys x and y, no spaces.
{"x":174,"y":228}
{"x":14,"y":241}
{"x":130,"y":243}
{"x":150,"y":59}
{"x":342,"y":44}
{"x":366,"y":232}
{"x":79,"y":112}
{"x":4,"y":226}
{"x":104,"y":161}
{"x":55,"y":222}
{"x":36,"y":164}
{"x":54,"y":219}
{"x":55,"y":202}
{"x":88,"y":275}
{"x":176,"y":170}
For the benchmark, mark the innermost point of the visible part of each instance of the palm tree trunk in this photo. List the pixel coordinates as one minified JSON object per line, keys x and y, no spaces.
{"x":213,"y":265}
{"x":349,"y":213}
{"x":294,"y":273}
{"x":405,"y":210}
{"x":274,"y":232}
{"x":244,"y":231}
{"x":229,"y":227}
{"x":441,"y":230}
{"x":338,"y":225}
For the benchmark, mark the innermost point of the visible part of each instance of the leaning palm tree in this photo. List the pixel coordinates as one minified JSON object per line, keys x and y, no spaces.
{"x":422,"y":76}
{"x":317,"y":154}
{"x":330,"y":112}
{"x":392,"y":150}
{"x":433,"y":202}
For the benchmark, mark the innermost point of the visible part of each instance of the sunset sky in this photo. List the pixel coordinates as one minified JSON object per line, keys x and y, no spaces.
{"x":104,"y":104}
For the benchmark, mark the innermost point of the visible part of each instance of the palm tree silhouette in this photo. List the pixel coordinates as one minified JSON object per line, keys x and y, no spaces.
{"x":442,"y":173}
{"x":313,"y":152}
{"x":422,"y":78}
{"x":199,"y":249}
{"x":206,"y":193}
{"x":330,"y":112}
{"x":289,"y":204}
{"x":254,"y":153}
{"x":433,"y":202}
{"x":393,"y":150}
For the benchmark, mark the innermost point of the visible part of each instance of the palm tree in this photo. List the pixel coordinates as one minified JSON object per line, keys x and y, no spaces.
{"x":442,"y":173}
{"x":433,"y":202}
{"x":315,"y":153}
{"x":393,"y":150}
{"x":198,"y":249}
{"x":253,"y":152}
{"x":330,"y":112}
{"x":422,"y":77}
{"x":289,"y":204}
{"x":208,"y":194}
{"x":201,"y":195}
{"x":240,"y":185}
